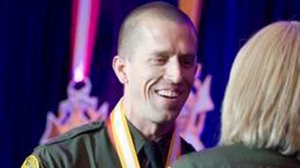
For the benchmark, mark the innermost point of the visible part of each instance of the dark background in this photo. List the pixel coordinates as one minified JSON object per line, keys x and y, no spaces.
{"x":35,"y":59}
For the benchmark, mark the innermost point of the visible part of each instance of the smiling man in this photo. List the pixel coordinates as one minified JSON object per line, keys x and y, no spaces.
{"x":156,"y":63}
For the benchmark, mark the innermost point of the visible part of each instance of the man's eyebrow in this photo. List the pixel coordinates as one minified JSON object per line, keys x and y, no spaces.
{"x":162,"y":53}
{"x":168,"y":53}
{"x":189,"y":54}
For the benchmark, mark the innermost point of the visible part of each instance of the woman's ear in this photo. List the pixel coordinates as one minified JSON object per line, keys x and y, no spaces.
{"x":119,"y":66}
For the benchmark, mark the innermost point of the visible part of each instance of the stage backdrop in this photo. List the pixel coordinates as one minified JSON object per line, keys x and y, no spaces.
{"x":35,"y":59}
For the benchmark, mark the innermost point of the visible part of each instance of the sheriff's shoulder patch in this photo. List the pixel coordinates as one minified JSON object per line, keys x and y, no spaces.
{"x":31,"y":162}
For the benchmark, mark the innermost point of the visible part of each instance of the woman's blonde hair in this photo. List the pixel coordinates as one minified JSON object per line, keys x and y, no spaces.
{"x":261,"y":107}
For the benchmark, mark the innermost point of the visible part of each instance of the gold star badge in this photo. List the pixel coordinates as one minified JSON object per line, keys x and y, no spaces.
{"x":31,"y":162}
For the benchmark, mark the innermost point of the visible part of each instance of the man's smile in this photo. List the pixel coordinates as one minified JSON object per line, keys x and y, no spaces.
{"x":169,"y":93}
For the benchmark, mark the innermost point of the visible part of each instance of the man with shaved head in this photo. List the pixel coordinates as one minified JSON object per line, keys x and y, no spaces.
{"x":156,"y":63}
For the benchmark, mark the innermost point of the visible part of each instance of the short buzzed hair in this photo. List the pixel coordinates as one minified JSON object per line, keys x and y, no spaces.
{"x":130,"y":29}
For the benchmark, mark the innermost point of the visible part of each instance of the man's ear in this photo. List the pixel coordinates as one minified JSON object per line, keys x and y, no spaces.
{"x":198,"y":70}
{"x":119,"y":66}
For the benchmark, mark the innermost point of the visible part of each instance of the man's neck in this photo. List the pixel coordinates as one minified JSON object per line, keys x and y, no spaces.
{"x":150,"y":130}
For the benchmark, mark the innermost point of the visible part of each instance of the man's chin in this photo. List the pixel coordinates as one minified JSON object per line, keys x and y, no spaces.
{"x":166,"y":116}
{"x":172,"y":110}
{"x":165,"y":120}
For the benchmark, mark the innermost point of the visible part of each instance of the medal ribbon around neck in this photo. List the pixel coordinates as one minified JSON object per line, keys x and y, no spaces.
{"x":124,"y":144}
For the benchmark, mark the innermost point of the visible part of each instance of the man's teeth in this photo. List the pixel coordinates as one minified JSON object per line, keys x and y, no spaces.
{"x":168,"y":93}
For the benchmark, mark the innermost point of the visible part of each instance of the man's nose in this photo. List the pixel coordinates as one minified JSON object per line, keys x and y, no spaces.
{"x":174,"y":71}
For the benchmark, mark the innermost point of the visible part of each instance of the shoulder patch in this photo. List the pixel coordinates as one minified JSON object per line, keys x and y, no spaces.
{"x":31,"y":162}
{"x":77,"y":131}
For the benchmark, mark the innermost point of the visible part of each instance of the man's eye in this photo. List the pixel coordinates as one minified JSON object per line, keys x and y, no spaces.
{"x":159,"y":60}
{"x":188,"y":62}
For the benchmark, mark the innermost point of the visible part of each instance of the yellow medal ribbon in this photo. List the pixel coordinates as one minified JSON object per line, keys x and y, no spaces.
{"x":31,"y":162}
{"x":124,"y":143}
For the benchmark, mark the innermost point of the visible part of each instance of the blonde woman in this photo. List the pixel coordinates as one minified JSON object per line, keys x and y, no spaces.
{"x":261,"y":108}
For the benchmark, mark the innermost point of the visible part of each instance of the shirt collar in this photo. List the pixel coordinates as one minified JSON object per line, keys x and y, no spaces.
{"x":139,"y":140}
{"x":137,"y":137}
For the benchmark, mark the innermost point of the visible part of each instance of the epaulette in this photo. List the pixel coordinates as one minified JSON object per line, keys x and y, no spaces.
{"x":94,"y":126}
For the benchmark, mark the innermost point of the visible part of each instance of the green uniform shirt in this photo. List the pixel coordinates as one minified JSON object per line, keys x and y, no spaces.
{"x":90,"y":146}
